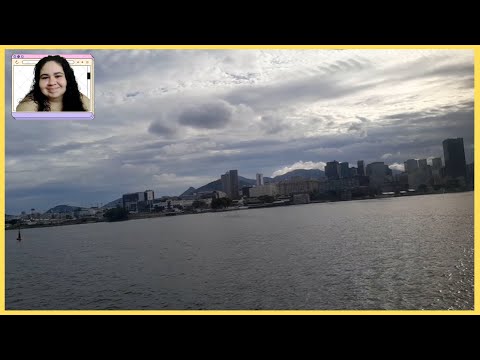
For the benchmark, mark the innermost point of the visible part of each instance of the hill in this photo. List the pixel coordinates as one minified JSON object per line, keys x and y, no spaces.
{"x":59,"y":209}
{"x":217,"y":186}
{"x":211,"y":186}
{"x":303,"y":173}
{"x":113,"y":204}
{"x":190,"y":191}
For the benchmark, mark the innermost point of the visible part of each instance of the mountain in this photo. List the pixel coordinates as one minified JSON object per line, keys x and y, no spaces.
{"x":245,"y":182}
{"x":242,"y":181}
{"x":303,"y":173}
{"x":62,"y":209}
{"x":113,"y":204}
{"x":217,"y":186}
{"x":190,"y":191}
{"x":211,"y":186}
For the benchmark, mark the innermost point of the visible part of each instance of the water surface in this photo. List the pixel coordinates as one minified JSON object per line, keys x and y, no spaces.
{"x":404,"y":253}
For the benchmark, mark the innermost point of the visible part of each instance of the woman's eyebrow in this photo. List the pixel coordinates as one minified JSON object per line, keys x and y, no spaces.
{"x":57,"y":73}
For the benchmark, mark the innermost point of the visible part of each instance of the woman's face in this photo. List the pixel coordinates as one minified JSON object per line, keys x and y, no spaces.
{"x":52,"y":81}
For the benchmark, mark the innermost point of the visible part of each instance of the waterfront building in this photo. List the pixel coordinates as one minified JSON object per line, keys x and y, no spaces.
{"x":454,"y":154}
{"x":344,"y":171}
{"x":410,"y":165}
{"x":332,"y":170}
{"x":270,"y":189}
{"x":360,"y":167}
{"x":259,"y":178}
{"x":230,"y":184}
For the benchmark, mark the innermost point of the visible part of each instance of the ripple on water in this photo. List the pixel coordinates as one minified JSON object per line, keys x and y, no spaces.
{"x":399,"y":254}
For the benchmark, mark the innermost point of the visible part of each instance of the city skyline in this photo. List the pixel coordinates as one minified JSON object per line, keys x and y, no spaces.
{"x":199,"y":113}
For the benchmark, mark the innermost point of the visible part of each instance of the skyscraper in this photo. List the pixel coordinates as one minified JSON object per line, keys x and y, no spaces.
{"x":230,"y":184}
{"x":454,"y":154}
{"x":332,"y":170}
{"x":436,"y":163}
{"x":410,"y":165}
{"x":226,"y":183}
{"x":360,"y":168}
{"x":344,"y":171}
{"x":437,"y":171}
{"x":376,"y":173}
{"x":260,"y":180}
{"x":422,"y":163}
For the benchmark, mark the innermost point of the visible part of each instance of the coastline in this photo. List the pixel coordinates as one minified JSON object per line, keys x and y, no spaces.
{"x":246,"y":207}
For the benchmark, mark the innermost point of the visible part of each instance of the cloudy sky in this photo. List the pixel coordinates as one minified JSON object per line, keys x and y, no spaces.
{"x":170,"y":119}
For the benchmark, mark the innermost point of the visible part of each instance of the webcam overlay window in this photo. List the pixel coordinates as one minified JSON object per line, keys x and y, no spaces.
{"x":23,"y":66}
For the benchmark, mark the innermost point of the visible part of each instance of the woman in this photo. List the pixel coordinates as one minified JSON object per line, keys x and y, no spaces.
{"x":54,"y":88}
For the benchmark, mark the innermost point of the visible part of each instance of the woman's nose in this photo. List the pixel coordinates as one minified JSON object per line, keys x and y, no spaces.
{"x":51,"y":80}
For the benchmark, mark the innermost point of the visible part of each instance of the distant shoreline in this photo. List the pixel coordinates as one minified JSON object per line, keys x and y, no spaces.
{"x":246,"y":207}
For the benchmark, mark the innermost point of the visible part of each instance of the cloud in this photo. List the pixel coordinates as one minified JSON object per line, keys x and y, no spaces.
{"x":207,"y":116}
{"x":169,"y":119}
{"x":274,"y":124}
{"x":397,"y":166}
{"x":362,"y":119}
{"x":305,"y":90}
{"x":300,"y":165}
{"x":158,"y":128}
{"x":355,"y":127}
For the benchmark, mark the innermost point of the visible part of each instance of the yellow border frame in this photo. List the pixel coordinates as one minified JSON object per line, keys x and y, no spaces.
{"x":3,"y":311}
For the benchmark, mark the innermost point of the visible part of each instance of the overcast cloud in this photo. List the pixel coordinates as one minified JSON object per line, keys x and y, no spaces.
{"x":170,"y":119}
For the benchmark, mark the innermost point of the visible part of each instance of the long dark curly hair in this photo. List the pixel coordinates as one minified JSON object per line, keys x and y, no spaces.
{"x":71,"y":99}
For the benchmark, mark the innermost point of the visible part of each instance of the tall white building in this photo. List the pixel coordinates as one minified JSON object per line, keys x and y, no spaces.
{"x":260,"y":180}
{"x":149,"y":195}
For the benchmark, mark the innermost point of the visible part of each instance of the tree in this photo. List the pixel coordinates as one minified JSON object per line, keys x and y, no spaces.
{"x":357,"y":193}
{"x":221,"y":203}
{"x":199,"y":204}
{"x":333,"y":195}
{"x":422,"y":188}
{"x":437,"y":187}
{"x":116,"y":214}
{"x":452,"y":184}
{"x":266,"y":198}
